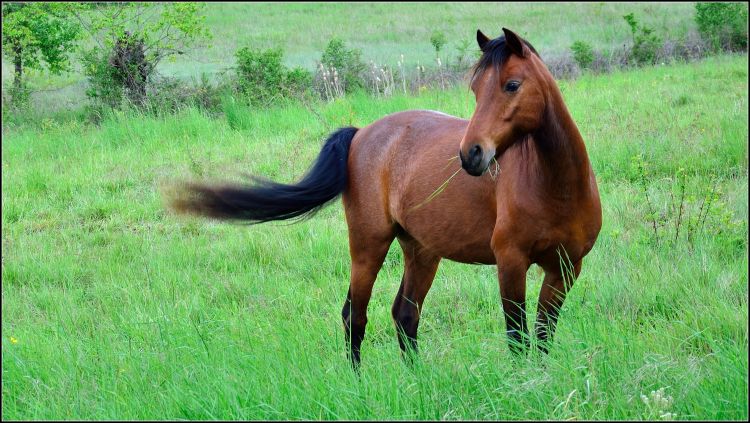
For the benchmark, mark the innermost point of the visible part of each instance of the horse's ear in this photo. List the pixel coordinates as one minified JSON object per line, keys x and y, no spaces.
{"x":482,"y":39}
{"x":515,"y":44}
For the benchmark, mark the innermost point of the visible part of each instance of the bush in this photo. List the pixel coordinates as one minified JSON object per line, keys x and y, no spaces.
{"x":105,"y":87}
{"x":18,"y":96}
{"x":119,"y":73}
{"x":437,"y":40}
{"x":563,"y":66}
{"x":583,"y":54}
{"x":723,"y":25}
{"x":260,"y":73}
{"x":463,"y":58}
{"x":347,"y":63}
{"x":168,"y":95}
{"x":297,"y":82}
{"x":161,"y":94}
{"x":688,"y":48}
{"x":262,"y":77}
{"x":646,"y":44}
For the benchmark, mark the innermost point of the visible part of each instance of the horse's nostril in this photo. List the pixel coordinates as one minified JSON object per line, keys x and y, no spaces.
{"x":472,"y":160}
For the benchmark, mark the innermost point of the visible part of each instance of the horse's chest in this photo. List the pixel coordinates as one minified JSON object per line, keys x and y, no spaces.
{"x":545,"y":231}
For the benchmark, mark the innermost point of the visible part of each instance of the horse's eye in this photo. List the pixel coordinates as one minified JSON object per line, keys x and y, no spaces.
{"x":512,"y":86}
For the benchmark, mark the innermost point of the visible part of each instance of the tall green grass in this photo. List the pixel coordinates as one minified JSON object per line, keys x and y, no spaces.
{"x":114,"y":309}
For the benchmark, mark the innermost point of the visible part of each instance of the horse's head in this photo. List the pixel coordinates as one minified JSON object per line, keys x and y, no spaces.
{"x":509,"y":82}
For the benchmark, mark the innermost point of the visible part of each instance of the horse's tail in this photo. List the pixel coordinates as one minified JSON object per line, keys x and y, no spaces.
{"x":267,"y":200}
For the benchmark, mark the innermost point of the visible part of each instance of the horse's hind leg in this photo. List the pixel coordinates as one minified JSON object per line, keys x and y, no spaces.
{"x":368,"y":249}
{"x":419,"y":271}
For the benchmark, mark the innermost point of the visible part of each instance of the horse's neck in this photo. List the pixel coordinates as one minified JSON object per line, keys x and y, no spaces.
{"x":563,"y":162}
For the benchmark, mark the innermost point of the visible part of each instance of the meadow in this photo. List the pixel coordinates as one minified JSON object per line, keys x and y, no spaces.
{"x":115,"y":308}
{"x":384,"y":32}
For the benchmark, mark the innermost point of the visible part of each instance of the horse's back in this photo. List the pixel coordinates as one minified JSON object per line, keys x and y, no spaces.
{"x":397,"y":163}
{"x":386,"y":145}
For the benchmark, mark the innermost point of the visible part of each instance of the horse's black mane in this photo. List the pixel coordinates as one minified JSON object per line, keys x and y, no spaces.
{"x":495,"y":53}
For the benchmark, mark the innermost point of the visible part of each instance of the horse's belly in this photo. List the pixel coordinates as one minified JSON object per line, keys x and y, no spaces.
{"x":457,"y":223}
{"x":445,"y":238}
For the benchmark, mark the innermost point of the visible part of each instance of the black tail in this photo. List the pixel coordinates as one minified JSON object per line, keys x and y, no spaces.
{"x":268,"y":200}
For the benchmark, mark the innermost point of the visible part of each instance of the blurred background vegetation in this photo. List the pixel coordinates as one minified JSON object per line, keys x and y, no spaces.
{"x":83,"y":60}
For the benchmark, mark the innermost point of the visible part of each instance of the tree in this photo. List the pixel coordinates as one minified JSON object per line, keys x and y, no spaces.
{"x":132,"y":39}
{"x":36,"y":33}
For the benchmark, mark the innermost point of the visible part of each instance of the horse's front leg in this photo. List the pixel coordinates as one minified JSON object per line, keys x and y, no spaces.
{"x":512,"y":267}
{"x":557,"y":282}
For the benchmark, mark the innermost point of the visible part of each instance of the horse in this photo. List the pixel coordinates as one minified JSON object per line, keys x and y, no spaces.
{"x":528,"y":194}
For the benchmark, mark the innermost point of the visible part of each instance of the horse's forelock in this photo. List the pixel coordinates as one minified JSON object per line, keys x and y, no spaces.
{"x":495,"y":53}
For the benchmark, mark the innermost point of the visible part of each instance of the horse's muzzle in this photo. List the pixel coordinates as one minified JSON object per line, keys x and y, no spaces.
{"x":473,"y":163}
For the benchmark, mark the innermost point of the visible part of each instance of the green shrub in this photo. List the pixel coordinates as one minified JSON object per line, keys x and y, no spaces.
{"x":105,"y":87}
{"x":208,"y":96}
{"x":438,"y":40}
{"x":297,"y":82}
{"x":723,"y":25}
{"x":163,"y":95}
{"x":18,"y":96}
{"x":583,"y":54}
{"x":260,"y":73}
{"x":263,"y":77}
{"x":646,"y":44}
{"x":120,"y":72}
{"x":168,"y":95}
{"x":347,"y":62}
{"x":463,"y":58}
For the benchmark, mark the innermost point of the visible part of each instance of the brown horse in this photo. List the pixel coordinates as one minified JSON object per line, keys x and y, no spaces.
{"x":538,"y":203}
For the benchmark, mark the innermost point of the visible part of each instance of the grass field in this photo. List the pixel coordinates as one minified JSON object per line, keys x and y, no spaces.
{"x":114,"y":309}
{"x":385,"y":30}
